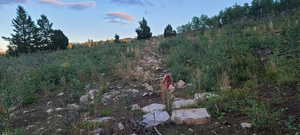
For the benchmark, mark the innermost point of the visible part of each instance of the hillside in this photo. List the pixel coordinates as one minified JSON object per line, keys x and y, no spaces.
{"x":244,"y":77}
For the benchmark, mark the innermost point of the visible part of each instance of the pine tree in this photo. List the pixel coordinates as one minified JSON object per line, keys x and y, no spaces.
{"x":59,"y":40}
{"x":117,"y":38}
{"x":144,"y":31}
{"x":169,"y":31}
{"x":24,"y":38}
{"x":45,"y":33}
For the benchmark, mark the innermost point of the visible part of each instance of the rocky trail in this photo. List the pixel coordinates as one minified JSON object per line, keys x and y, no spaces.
{"x":127,"y":108}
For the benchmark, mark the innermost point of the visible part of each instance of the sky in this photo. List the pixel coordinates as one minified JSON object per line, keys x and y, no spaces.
{"x":81,"y":20}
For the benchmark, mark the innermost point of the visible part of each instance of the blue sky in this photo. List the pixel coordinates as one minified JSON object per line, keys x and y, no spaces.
{"x":101,"y":19}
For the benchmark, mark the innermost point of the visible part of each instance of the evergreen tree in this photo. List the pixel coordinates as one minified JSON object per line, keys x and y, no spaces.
{"x":117,"y":38}
{"x":24,"y":38}
{"x":45,"y":33}
{"x":169,"y":31}
{"x":59,"y":40}
{"x":144,"y":31}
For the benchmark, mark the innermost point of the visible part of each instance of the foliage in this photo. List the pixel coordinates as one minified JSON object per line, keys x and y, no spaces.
{"x":117,"y":38}
{"x":29,"y":37}
{"x":144,"y":31}
{"x":169,"y":32}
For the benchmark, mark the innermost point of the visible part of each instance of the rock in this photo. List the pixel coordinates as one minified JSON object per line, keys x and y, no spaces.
{"x":50,"y":110}
{"x":148,"y":87}
{"x":93,"y":93}
{"x":155,"y":118}
{"x":121,"y":126}
{"x":84,"y":99}
{"x":191,"y":130}
{"x":71,"y":117}
{"x":147,"y":94}
{"x":49,"y":103}
{"x":59,"y":109}
{"x":60,"y":94}
{"x":153,"y":107}
{"x":135,"y":107}
{"x":183,"y":103}
{"x":102,"y":120}
{"x":133,"y":91}
{"x":246,"y":125}
{"x":73,"y":107}
{"x":98,"y":131}
{"x":190,"y":116}
{"x":203,"y":96}
{"x":180,"y":84}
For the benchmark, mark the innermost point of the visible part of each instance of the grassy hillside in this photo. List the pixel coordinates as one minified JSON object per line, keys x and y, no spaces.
{"x":254,"y":66}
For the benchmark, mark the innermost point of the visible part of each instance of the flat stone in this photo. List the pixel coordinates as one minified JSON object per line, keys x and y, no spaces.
{"x":153,"y":107}
{"x":102,"y":120}
{"x":191,"y":116}
{"x":183,"y":103}
{"x":246,"y":125}
{"x":155,"y":118}
{"x":180,"y":84}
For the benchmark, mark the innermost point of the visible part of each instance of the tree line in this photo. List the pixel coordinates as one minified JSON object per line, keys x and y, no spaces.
{"x":29,"y":37}
{"x":257,"y":10}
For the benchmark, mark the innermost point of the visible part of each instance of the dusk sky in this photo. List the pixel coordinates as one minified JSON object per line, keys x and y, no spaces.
{"x":101,"y":19}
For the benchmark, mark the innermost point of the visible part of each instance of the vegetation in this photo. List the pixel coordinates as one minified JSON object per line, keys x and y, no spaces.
{"x":117,"y":38}
{"x":169,"y":32}
{"x":144,"y":31}
{"x":29,"y":38}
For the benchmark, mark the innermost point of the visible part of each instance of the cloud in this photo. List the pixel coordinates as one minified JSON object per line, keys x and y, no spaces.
{"x":134,"y":2}
{"x":119,"y":17}
{"x":73,"y":5}
{"x":3,"y":2}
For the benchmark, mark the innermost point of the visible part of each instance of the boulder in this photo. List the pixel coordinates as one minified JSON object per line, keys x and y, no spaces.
{"x":180,"y":84}
{"x":183,"y":103}
{"x":191,"y":116}
{"x":155,"y":118}
{"x":154,"y":107}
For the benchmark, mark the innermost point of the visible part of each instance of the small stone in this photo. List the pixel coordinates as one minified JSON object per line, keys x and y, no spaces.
{"x":84,"y":99}
{"x":135,"y":107}
{"x":121,"y":126}
{"x":183,"y":103}
{"x":203,"y":96}
{"x":73,"y":106}
{"x":155,"y":118}
{"x":190,"y":116}
{"x":60,"y":94}
{"x":103,"y":120}
{"x":148,"y":87}
{"x":98,"y":131}
{"x":93,"y":93}
{"x":59,"y":109}
{"x":153,"y":107}
{"x":180,"y":84}
{"x":246,"y":125}
{"x":49,"y":110}
{"x":191,"y":130}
